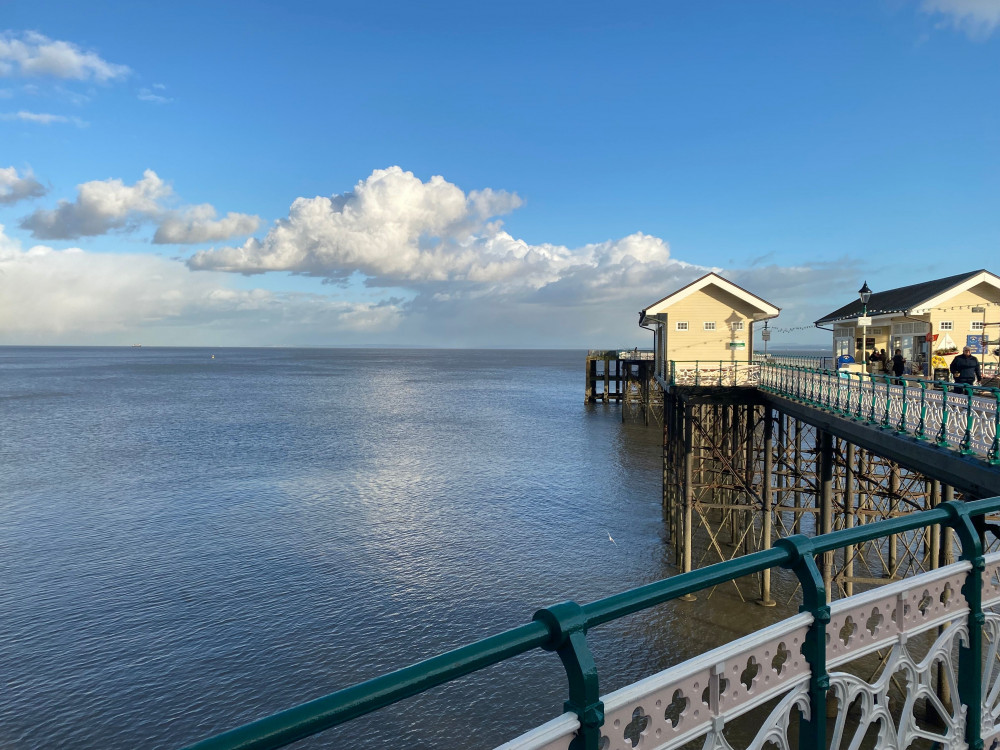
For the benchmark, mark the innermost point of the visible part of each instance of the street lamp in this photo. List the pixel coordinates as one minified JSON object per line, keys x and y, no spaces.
{"x":864,"y":294}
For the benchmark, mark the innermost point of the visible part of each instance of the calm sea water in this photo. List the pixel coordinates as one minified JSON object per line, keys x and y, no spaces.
{"x":189,"y":543}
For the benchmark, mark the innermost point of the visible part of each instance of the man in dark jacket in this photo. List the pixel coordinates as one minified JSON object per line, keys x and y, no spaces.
{"x":965,"y":368}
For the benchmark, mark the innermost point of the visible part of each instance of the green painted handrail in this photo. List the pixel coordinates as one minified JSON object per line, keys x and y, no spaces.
{"x":800,"y":384}
{"x":563,"y":628}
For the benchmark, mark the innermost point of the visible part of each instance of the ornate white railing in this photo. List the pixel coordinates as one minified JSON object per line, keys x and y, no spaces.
{"x":930,"y":410}
{"x":714,"y":373}
{"x":700,"y":697}
{"x":934,"y":637}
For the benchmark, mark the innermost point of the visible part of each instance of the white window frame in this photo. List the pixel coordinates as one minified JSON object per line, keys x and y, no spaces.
{"x":976,"y":325}
{"x":682,"y":325}
{"x":737,"y":326}
{"x":709,"y":325}
{"x":946,"y":325}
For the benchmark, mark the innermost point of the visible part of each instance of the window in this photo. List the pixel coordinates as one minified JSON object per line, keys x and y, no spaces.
{"x":946,"y":325}
{"x":710,"y":326}
{"x":904,"y":328}
{"x":738,"y":325}
{"x":977,"y":325}
{"x":682,"y":325}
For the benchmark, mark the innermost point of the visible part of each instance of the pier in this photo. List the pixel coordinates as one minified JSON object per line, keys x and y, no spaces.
{"x":875,"y":494}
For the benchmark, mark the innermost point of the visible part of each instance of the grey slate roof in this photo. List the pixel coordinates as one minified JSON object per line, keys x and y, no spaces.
{"x":898,"y":300}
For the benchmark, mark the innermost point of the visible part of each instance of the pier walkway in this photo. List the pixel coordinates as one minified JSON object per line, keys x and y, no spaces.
{"x":915,"y":421}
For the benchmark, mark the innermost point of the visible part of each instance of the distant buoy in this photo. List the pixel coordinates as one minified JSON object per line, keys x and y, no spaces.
{"x":213,"y":356}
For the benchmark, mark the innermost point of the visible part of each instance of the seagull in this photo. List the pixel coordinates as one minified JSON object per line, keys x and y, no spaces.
{"x":612,"y":538}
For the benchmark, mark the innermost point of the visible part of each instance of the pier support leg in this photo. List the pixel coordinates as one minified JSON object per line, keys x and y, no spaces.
{"x":893,"y":512}
{"x":826,"y":502}
{"x":767,"y":496}
{"x":796,"y":479}
{"x":688,"y":494}
{"x":849,"y":517}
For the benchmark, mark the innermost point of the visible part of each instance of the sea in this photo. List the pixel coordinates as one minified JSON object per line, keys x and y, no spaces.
{"x":191,"y":539}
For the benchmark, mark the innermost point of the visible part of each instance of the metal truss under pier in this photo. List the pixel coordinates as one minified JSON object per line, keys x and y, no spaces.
{"x":748,"y":463}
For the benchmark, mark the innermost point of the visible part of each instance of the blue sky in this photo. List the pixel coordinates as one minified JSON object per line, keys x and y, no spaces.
{"x":464,"y":174}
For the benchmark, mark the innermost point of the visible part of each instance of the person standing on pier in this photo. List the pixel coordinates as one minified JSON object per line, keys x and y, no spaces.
{"x":965,"y":368}
{"x":898,"y":363}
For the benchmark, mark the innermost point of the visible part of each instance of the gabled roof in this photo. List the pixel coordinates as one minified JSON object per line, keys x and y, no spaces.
{"x":766,"y":309}
{"x":915,"y":299}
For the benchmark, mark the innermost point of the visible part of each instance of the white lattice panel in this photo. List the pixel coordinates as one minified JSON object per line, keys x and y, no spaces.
{"x":872,"y":620}
{"x":700,"y":695}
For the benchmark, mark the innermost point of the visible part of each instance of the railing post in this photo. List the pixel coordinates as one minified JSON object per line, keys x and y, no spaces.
{"x":921,"y":434}
{"x":861,"y":395}
{"x":567,"y":626}
{"x":697,"y":373}
{"x":901,"y":425}
{"x":812,"y":731}
{"x":942,"y":436}
{"x":871,"y":411}
{"x":673,"y":372}
{"x":885,"y":416}
{"x":966,"y":446}
{"x":970,"y":655}
{"x":994,"y":453}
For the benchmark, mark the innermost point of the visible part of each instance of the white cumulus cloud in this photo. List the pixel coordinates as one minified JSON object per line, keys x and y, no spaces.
{"x":197,"y":224}
{"x":441,"y":243}
{"x":14,"y":187}
{"x":32,"y":54}
{"x":976,"y":18}
{"x":102,"y":206}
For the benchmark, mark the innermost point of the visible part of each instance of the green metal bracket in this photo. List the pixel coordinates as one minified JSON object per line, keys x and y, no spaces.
{"x":942,"y":436}
{"x":970,"y":655}
{"x":567,"y":626}
{"x":802,"y":561}
{"x":871,"y":411}
{"x":901,"y":424}
{"x":885,"y":416}
{"x":922,"y":429}
{"x":965,"y":448}
{"x":994,"y":454}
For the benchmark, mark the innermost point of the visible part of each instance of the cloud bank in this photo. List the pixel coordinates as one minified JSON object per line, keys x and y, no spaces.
{"x":408,"y":262}
{"x":103,"y":206}
{"x":32,"y":54}
{"x":76,"y":297}
{"x":14,"y":188}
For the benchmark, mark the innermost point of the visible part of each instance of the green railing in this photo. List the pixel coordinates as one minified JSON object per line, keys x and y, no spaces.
{"x":563,"y":628}
{"x":963,"y":417}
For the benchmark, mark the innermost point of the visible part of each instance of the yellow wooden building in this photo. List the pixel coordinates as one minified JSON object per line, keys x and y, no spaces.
{"x":710,"y":319}
{"x":933,"y":318}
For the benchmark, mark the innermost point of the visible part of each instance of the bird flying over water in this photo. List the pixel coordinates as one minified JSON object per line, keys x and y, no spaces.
{"x":612,"y":538}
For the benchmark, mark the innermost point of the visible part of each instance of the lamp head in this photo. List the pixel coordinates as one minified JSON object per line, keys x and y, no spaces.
{"x":864,"y":294}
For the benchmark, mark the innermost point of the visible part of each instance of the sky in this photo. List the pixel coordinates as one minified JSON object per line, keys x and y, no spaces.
{"x":461,"y":174}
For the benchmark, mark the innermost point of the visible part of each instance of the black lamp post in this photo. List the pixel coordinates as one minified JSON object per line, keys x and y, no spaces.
{"x":864,"y":294}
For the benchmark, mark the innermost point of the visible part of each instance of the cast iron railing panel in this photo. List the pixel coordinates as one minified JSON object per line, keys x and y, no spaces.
{"x":787,"y":664}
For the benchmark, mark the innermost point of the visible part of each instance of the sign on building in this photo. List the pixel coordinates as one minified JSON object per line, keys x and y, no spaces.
{"x":975,"y":342}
